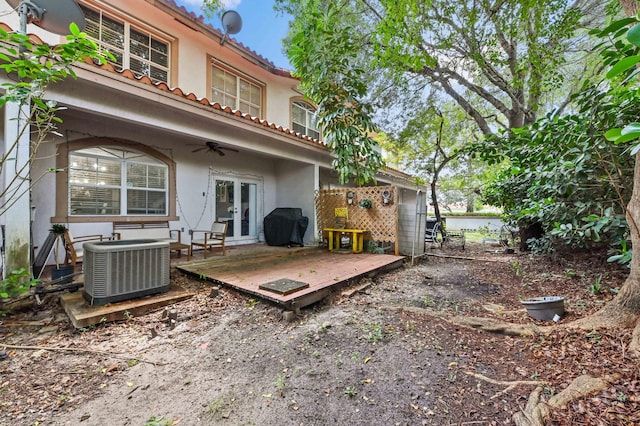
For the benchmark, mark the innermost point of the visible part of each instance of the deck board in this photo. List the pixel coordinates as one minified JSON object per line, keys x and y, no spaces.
{"x":321,"y":269}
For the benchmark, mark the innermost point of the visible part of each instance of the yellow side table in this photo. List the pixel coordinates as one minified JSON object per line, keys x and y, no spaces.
{"x":357,"y":238}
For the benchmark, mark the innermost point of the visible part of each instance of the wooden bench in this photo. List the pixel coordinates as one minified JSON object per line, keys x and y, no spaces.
{"x":357,"y":238}
{"x":151,"y":230}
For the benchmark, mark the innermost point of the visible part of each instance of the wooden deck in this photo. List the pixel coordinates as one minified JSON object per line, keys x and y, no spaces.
{"x":322,"y":270}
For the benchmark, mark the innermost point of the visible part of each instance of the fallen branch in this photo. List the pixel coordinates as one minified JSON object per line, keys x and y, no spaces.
{"x":479,"y":323}
{"x":510,"y":385}
{"x":483,"y":259}
{"x":492,"y":325}
{"x":55,"y":349}
{"x":21,"y":323}
{"x":351,"y":291}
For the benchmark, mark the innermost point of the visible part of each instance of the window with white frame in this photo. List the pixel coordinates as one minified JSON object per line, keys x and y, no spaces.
{"x":111,"y":181}
{"x":303,"y":119}
{"x":229,"y":89}
{"x":133,"y":48}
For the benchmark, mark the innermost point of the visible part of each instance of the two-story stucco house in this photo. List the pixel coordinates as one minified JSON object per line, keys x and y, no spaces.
{"x":134,"y":132}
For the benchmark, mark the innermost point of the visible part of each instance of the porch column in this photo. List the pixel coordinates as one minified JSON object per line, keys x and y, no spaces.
{"x":16,"y":209}
{"x":316,"y":189}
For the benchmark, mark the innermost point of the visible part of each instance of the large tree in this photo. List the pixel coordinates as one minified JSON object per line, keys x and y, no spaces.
{"x":624,"y":309}
{"x":511,"y":55}
{"x":502,"y":62}
{"x":433,"y":145}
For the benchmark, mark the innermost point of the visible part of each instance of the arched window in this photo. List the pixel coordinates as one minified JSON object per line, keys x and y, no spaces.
{"x":119,"y":179}
{"x":303,"y":119}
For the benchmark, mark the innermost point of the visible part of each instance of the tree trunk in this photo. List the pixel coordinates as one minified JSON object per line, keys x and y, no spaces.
{"x":630,"y":7}
{"x":629,"y":297}
{"x":624,"y":309}
{"x":434,"y":199}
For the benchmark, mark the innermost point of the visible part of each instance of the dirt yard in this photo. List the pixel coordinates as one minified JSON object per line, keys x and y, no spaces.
{"x":388,"y":354}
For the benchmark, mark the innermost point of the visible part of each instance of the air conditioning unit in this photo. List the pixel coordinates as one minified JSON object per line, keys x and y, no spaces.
{"x":125,"y":269}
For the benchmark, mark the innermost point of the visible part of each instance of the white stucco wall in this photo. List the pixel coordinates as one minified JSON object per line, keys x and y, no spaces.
{"x":191,"y":55}
{"x":474,"y":223}
{"x":105,"y":104}
{"x":296,"y":189}
{"x":194,"y":179}
{"x":410,"y":231}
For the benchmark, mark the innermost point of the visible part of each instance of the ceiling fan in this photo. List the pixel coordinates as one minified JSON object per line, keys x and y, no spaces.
{"x":212,"y":146}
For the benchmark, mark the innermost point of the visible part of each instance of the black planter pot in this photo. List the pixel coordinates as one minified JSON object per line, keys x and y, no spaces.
{"x":63,"y":273}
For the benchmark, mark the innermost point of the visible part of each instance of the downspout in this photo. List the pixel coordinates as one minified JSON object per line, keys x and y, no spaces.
{"x":419,"y":214}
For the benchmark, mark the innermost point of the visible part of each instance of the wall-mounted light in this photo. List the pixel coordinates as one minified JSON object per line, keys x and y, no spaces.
{"x":386,"y":196}
{"x":351,"y":196}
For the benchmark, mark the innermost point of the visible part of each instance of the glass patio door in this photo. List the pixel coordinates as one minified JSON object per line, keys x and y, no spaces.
{"x":236,"y":203}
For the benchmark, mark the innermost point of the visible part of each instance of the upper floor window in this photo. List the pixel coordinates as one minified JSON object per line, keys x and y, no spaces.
{"x":133,"y":48}
{"x":303,"y":119}
{"x":234,"y":91}
{"x":111,"y":181}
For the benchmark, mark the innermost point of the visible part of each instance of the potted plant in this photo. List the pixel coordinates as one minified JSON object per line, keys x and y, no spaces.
{"x":365,"y":203}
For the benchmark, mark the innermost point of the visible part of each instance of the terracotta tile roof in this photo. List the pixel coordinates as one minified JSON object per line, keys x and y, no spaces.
{"x":127,"y":73}
{"x":215,"y":106}
{"x":225,"y":109}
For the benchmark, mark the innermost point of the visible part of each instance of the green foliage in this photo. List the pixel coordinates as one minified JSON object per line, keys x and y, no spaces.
{"x":58,"y":228}
{"x":596,"y":286}
{"x":574,"y":174}
{"x":33,"y":66}
{"x":350,"y":391}
{"x":15,"y":284}
{"x":434,"y":145}
{"x":375,"y":333}
{"x":252,"y":303}
{"x":158,"y":421}
{"x":365,"y":203}
{"x":373,"y":248}
{"x":621,"y":255}
{"x":280,"y":384}
{"x":623,"y":57}
{"x":564,"y":174}
{"x":38,"y":65}
{"x":212,"y":8}
{"x":355,"y":55}
{"x":319,"y":51}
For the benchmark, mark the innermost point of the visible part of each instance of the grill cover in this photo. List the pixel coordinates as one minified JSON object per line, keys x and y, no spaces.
{"x":285,"y":226}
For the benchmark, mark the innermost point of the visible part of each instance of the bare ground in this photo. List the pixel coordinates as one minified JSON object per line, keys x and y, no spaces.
{"x":384,"y":355}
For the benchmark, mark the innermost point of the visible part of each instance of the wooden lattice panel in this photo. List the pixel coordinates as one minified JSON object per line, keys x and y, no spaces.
{"x":380,"y":221}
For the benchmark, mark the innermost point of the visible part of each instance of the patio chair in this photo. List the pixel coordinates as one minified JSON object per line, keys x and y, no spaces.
{"x":432,"y":232}
{"x":213,"y":238}
{"x":73,"y":246}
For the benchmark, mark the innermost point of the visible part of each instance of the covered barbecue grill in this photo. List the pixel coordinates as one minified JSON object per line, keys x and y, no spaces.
{"x":285,"y":226}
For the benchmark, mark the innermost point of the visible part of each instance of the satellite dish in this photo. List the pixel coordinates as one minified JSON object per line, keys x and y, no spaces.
{"x":51,"y":15}
{"x":231,"y":22}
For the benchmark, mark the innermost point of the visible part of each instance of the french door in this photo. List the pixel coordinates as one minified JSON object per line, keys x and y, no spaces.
{"x":236,"y":203}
